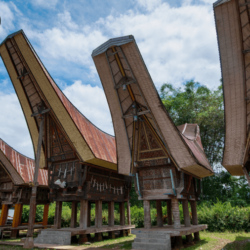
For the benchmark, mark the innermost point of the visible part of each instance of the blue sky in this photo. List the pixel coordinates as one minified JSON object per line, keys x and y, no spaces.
{"x":177,"y":40}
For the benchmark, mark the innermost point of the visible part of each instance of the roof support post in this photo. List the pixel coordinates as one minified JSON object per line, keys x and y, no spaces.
{"x":29,"y":239}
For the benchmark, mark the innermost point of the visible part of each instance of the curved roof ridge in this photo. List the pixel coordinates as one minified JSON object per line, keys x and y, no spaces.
{"x":58,"y":86}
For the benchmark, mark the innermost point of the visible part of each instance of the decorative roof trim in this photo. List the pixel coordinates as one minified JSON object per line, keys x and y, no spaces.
{"x":112,"y":42}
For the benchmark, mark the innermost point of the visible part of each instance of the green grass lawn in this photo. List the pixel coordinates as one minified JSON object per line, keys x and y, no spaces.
{"x":209,"y":241}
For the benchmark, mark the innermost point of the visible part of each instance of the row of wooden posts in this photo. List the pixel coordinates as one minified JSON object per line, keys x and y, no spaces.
{"x":18,"y":210}
{"x":85,"y":216}
{"x":173,"y":209}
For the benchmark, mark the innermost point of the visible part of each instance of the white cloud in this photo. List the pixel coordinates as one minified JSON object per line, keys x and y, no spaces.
{"x":13,"y":127}
{"x":45,"y":3}
{"x":92,"y":103}
{"x":177,"y":44}
{"x":149,"y":4}
{"x":7,"y":18}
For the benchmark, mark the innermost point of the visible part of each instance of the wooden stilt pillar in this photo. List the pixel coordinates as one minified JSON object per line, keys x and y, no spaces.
{"x":4,"y":214}
{"x":176,"y":213}
{"x":189,"y":239}
{"x":169,"y":212}
{"x":29,"y":239}
{"x":89,"y":214}
{"x":73,"y":214}
{"x":16,"y":220}
{"x":83,"y":238}
{"x":122,"y":214}
{"x":147,"y":216}
{"x":98,"y":214}
{"x":111,"y":206}
{"x":195,"y":219}
{"x":178,"y":242}
{"x":45,"y":215}
{"x":159,"y":214}
{"x":98,"y":237}
{"x":186,"y":213}
{"x":128,"y":216}
{"x":112,"y":235}
{"x":58,"y":215}
{"x":83,"y":214}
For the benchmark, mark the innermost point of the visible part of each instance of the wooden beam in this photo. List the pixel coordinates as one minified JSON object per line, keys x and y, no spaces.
{"x":128,"y":216}
{"x":29,"y":238}
{"x":89,"y":214}
{"x":176,"y":213}
{"x":45,"y":215}
{"x":73,"y":214}
{"x":122,"y":214}
{"x":169,"y":212}
{"x":147,"y":215}
{"x":4,"y":214}
{"x":111,"y":206}
{"x":186,"y":213}
{"x":98,"y":213}
{"x":83,"y":214}
{"x":58,"y":215}
{"x":159,"y":214}
{"x":17,"y":215}
{"x":195,"y":219}
{"x":189,"y":183}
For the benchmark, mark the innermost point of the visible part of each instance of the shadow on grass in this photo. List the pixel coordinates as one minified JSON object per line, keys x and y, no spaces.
{"x":197,"y":245}
{"x":121,"y":245}
{"x":240,"y":243}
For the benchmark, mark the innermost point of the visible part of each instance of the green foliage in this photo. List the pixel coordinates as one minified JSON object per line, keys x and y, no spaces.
{"x":223,"y":216}
{"x":195,"y":103}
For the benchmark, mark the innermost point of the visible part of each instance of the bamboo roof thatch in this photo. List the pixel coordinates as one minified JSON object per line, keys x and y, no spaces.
{"x":138,"y":112}
{"x":233,"y":31}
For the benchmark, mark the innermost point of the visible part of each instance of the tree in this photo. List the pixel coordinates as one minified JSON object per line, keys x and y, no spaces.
{"x":195,"y":103}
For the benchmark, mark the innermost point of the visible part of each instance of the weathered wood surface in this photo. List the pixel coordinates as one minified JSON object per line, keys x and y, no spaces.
{"x":89,"y":230}
{"x":173,"y":231}
{"x":58,"y":215}
{"x":159,"y":214}
{"x":73,"y":214}
{"x":169,"y":212}
{"x":84,"y":214}
{"x":98,"y":213}
{"x":122,"y":213}
{"x":147,"y":215}
{"x":111,"y":218}
{"x":176,"y":213}
{"x":45,"y":214}
{"x":186,"y":213}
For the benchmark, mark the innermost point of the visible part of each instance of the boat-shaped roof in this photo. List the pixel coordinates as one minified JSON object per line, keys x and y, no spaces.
{"x":232,"y":26}
{"x":91,"y":144}
{"x":132,"y":96}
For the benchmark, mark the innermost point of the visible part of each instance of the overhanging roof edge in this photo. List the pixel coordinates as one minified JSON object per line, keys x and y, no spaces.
{"x":10,"y":36}
{"x":112,"y":42}
{"x":219,"y":2}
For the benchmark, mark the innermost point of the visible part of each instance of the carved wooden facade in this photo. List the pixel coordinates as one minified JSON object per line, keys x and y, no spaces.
{"x":81,"y":159}
{"x":166,"y":162}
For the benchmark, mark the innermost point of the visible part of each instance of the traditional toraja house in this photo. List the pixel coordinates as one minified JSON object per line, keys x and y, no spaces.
{"x":167,"y":164}
{"x":16,"y":174}
{"x":81,"y":159}
{"x":232,"y":19}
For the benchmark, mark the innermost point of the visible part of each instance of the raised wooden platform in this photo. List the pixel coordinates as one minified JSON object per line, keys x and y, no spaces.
{"x":22,"y":227}
{"x":169,"y":229}
{"x":90,"y":230}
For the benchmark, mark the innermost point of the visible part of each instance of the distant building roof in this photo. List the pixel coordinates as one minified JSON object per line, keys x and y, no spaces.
{"x":21,"y":165}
